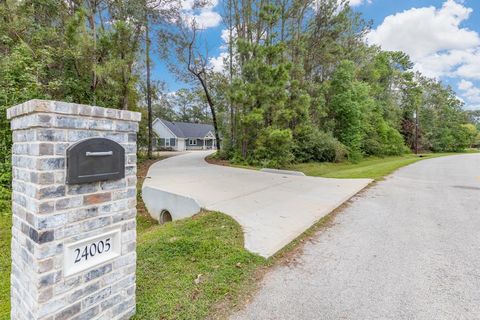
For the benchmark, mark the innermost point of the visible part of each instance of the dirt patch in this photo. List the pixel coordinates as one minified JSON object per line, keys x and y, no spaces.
{"x":142,"y":170}
{"x":218,"y":162}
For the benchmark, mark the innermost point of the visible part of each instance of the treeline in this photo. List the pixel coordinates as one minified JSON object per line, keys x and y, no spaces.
{"x":304,"y":86}
{"x":184,"y":105}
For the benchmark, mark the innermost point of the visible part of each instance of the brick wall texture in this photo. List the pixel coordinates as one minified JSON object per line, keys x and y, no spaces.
{"x":48,"y":214}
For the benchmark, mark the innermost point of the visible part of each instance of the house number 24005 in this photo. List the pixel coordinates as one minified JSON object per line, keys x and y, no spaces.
{"x":87,"y":253}
{"x":92,"y":249}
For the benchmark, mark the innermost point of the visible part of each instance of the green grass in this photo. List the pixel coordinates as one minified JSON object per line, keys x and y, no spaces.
{"x":372,"y":167}
{"x":208,"y":247}
{"x":5,"y":236}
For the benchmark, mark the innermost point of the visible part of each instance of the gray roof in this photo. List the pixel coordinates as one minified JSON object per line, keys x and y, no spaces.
{"x":188,"y":129}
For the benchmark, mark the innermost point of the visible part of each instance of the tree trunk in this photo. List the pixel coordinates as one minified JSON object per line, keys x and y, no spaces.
{"x":230,"y":51}
{"x":149,"y":91}
{"x":212,"y":109}
{"x":416,"y":130}
{"x":93,"y":25}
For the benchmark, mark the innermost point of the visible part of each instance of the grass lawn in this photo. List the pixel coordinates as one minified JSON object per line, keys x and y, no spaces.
{"x":5,"y":236}
{"x":192,"y":268}
{"x":373,"y":167}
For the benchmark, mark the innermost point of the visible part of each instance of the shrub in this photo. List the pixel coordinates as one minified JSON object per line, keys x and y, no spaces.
{"x":384,"y":140}
{"x":454,"y":139}
{"x":471,"y":134}
{"x":476,"y":143}
{"x":274,"y":148}
{"x":381,"y":139}
{"x":5,"y":187}
{"x":5,"y":201}
{"x":314,"y":145}
{"x":393,"y":143}
{"x":328,"y":148}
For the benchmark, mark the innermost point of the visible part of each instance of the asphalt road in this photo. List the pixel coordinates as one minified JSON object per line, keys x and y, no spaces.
{"x":407,"y":248}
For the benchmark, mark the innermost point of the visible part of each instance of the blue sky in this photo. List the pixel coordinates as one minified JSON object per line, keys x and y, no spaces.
{"x":442,"y":37}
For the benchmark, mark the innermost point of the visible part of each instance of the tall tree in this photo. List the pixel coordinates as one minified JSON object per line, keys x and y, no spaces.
{"x":194,"y":58}
{"x":149,"y":90}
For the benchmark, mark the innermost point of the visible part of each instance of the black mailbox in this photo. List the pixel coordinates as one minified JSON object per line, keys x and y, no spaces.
{"x":95,"y":159}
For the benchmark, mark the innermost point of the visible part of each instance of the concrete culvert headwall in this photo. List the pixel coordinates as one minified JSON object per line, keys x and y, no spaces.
{"x":164,"y":206}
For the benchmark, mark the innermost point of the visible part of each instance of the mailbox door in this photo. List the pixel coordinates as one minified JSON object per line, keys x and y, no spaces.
{"x":95,"y":159}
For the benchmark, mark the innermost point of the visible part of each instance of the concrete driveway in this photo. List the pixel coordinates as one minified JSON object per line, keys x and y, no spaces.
{"x":273,"y":209}
{"x":407,"y":248}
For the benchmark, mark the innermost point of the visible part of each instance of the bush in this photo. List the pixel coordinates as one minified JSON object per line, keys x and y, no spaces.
{"x":312,"y":144}
{"x":384,"y":141}
{"x":274,"y":148}
{"x":476,"y":143}
{"x":471,"y":134}
{"x":380,"y":139}
{"x":5,"y":187}
{"x":393,"y":143}
{"x":5,"y":201}
{"x":454,"y":139}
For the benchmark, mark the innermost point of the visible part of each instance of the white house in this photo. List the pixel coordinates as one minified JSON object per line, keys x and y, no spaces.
{"x":181,"y":136}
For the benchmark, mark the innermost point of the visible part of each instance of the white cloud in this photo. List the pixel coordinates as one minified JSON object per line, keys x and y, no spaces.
{"x":469,"y":92}
{"x":220,"y":63}
{"x":204,"y":17}
{"x":421,"y":32}
{"x":435,"y":40}
{"x":355,"y":3}
{"x":465,"y":85}
{"x":226,"y":35}
{"x":451,"y":63}
{"x":187,"y":4}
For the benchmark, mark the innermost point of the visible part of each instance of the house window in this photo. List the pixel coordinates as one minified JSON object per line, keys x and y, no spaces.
{"x":167,"y":142}
{"x":192,"y":142}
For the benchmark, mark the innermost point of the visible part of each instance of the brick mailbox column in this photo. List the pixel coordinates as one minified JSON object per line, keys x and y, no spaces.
{"x":73,"y":245}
